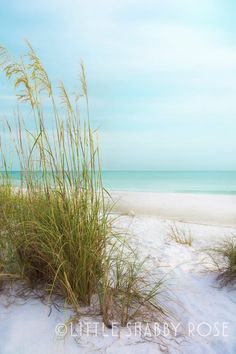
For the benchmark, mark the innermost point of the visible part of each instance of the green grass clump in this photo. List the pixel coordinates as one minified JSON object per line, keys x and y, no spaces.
{"x":56,"y":233}
{"x":179,"y":235}
{"x":224,"y":257}
{"x":56,"y":223}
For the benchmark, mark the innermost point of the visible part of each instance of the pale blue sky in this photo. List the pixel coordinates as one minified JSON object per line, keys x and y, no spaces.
{"x":161,"y":74}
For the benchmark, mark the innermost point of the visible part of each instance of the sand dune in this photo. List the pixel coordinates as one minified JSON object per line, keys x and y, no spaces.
{"x":196,"y":302}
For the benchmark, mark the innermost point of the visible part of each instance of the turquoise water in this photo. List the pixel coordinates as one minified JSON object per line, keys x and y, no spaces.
{"x":214,"y":182}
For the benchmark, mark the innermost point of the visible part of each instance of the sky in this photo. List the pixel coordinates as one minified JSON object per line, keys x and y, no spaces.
{"x":161,"y":74}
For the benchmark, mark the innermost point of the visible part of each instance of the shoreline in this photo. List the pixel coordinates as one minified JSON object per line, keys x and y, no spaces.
{"x":210,"y":209}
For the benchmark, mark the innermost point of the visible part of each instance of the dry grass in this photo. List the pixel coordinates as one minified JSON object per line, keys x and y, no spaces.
{"x":179,"y":234}
{"x":130,"y":291}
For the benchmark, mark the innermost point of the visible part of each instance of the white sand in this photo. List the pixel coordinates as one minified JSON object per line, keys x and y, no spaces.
{"x":195,"y":208}
{"x":28,"y":329}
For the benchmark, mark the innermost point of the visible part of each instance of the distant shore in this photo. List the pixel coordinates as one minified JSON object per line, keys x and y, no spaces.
{"x":209,"y":209}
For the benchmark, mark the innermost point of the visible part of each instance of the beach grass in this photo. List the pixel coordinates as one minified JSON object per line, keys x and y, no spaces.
{"x":56,"y":231}
{"x":179,"y":234}
{"x":224,"y":257}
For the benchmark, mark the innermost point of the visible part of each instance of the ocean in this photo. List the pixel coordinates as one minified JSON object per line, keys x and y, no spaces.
{"x":207,"y":182}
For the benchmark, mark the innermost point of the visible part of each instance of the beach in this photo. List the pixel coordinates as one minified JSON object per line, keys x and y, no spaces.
{"x":118,"y":177}
{"x":205,"y":312}
{"x":211,"y":209}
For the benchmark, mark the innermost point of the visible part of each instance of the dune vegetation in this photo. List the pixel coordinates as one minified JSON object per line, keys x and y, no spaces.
{"x":56,"y":231}
{"x":179,"y":234}
{"x":224,"y":257}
